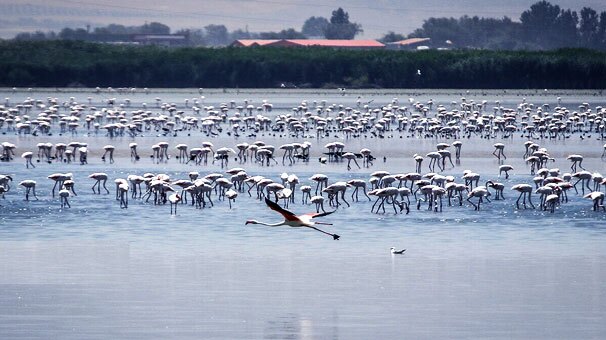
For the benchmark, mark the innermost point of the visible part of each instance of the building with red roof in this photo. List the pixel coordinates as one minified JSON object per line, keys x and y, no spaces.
{"x":332,"y":43}
{"x":409,"y":44}
{"x":253,"y":42}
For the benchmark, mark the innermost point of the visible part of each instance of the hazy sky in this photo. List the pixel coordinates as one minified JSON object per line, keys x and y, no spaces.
{"x":376,"y":17}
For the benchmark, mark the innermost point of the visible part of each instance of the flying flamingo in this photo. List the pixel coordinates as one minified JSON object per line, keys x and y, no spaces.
{"x":295,"y":221}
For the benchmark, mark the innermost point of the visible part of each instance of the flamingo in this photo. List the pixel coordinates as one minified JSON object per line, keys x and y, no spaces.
{"x":231,"y":195}
{"x":295,"y":221}
{"x":122,"y":191}
{"x":498,"y":150}
{"x":576,"y":160}
{"x":367,"y":157}
{"x":387,"y":194}
{"x":418,"y":160}
{"x":524,"y":190}
{"x":334,"y":189}
{"x":321,"y":180}
{"x":584,"y":177}
{"x":481,"y":192}
{"x":174,"y":200}
{"x":350,"y":157}
{"x":319,"y":202}
{"x":99,"y":177}
{"x":505,"y":168}
{"x":133,"y":151}
{"x":498,"y":187}
{"x":29,"y":185}
{"x":598,"y":200}
{"x":306,"y":193}
{"x":63,"y":196}
{"x":108,"y":149}
{"x":357,"y":184}
{"x":182,"y":152}
{"x":434,"y":158}
{"x":28,"y":159}
{"x":83,"y":153}
{"x":69,"y":185}
{"x":551,"y":201}
{"x":457,"y":144}
{"x":59,"y":178}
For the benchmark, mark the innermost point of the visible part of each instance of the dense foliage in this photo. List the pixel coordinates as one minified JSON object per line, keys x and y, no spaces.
{"x":542,"y":27}
{"x":72,"y":63}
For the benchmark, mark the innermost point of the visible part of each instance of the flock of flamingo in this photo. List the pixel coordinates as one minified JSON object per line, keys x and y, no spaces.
{"x":309,"y":123}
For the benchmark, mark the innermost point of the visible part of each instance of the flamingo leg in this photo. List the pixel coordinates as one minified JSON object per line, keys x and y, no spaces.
{"x":334,"y":236}
{"x":343,"y":197}
{"x":474,"y":205}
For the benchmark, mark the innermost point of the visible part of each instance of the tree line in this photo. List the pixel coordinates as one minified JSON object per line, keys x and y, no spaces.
{"x":543,"y":26}
{"x":338,"y":27}
{"x":75,"y":63}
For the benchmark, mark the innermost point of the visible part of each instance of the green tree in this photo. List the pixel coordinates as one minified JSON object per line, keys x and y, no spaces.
{"x":391,"y":36}
{"x":216,"y":35}
{"x":539,"y":23}
{"x":601,"y":34}
{"x":566,"y":24}
{"x":74,"y":34}
{"x":154,"y":28}
{"x":314,"y":26}
{"x":340,"y":27}
{"x":38,"y":35}
{"x":290,"y":33}
{"x":239,"y":34}
{"x":588,"y":28}
{"x":112,"y":29}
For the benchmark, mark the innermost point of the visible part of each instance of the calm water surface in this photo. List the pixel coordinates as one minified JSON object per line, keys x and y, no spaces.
{"x":98,"y":271}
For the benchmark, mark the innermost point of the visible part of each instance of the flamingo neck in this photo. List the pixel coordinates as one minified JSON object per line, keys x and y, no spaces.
{"x":268,"y":224}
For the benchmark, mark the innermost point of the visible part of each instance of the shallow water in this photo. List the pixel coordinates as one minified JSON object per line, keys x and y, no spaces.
{"x":95,"y":270}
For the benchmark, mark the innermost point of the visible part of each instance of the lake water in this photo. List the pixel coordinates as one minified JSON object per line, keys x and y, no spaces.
{"x":96,"y":271}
